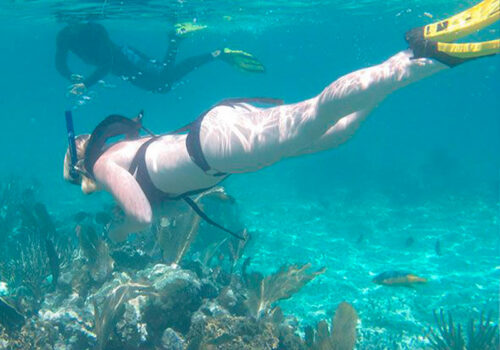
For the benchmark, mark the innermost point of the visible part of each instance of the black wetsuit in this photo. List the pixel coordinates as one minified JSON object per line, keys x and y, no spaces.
{"x":91,"y":43}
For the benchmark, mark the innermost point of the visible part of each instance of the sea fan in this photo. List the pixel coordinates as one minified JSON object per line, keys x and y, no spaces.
{"x":343,"y":331}
{"x":176,"y":233}
{"x":10,"y":318}
{"x":264,"y":291}
{"x":179,"y":227}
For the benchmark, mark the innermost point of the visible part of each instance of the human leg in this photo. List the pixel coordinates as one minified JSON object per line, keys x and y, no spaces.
{"x":247,"y":139}
{"x":179,"y":32}
{"x":340,"y":132}
{"x":173,"y":46}
{"x":178,"y":71}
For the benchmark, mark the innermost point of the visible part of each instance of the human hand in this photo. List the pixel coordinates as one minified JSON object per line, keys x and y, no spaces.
{"x":216,"y":53}
{"x":77,"y":89}
{"x":76,"y":78}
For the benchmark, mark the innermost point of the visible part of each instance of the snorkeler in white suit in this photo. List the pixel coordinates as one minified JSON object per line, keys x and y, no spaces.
{"x":238,"y":137}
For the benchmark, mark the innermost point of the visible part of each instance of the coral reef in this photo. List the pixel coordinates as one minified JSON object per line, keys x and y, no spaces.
{"x":70,"y":288}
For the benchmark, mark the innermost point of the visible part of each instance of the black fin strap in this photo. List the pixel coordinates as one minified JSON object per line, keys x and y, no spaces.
{"x":204,"y":216}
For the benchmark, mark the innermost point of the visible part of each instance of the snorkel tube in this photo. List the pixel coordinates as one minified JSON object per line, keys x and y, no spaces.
{"x":71,"y":142}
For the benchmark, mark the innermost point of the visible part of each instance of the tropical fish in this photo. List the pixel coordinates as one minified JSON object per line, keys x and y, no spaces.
{"x":80,"y":216}
{"x":360,"y":239}
{"x":44,"y":220}
{"x":53,"y":261}
{"x":28,"y":219}
{"x":409,"y":242}
{"x":103,"y":218}
{"x":438,"y":247}
{"x":88,"y":240}
{"x":398,"y":279}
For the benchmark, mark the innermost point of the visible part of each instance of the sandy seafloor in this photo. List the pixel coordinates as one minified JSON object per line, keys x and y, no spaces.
{"x":326,"y":232}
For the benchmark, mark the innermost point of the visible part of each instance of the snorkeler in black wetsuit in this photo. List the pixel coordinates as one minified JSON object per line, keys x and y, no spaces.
{"x":91,"y":43}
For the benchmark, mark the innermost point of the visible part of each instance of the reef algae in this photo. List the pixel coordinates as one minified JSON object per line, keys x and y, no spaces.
{"x":481,"y":336}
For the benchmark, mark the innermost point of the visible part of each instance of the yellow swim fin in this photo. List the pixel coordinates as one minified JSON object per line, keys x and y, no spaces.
{"x":242,"y":60}
{"x":186,"y":28}
{"x":434,"y":40}
{"x":470,"y":50}
{"x":473,"y":19}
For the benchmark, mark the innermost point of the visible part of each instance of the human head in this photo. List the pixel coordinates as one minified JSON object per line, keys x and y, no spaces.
{"x":88,"y":185}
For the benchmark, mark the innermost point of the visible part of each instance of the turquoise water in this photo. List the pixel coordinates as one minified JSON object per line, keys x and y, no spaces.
{"x":424,"y":165}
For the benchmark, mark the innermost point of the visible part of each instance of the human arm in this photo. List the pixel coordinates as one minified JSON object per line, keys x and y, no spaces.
{"x":62,"y":49}
{"x":81,"y":84}
{"x":128,"y":195}
{"x":90,"y":42}
{"x":98,"y":74}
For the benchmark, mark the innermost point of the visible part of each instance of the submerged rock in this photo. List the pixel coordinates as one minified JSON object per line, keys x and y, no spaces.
{"x":171,"y":340}
{"x":178,"y":296}
{"x":137,"y":310}
{"x":127,"y":257}
{"x":228,"y":332}
{"x":132,"y":327}
{"x":70,"y":324}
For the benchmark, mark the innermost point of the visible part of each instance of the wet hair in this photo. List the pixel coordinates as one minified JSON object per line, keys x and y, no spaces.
{"x":88,"y":185}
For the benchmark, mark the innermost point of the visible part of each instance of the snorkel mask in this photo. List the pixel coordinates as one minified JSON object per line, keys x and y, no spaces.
{"x":76,"y":166}
{"x":96,"y":144}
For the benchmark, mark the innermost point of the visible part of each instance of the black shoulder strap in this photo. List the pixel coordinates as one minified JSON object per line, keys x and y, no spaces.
{"x":139,"y":169}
